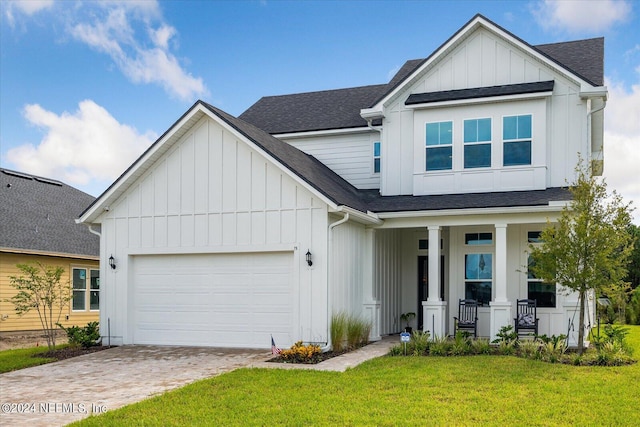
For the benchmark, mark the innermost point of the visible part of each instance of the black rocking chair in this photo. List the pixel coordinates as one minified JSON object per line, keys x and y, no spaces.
{"x":526,"y":316}
{"x":467,"y":319}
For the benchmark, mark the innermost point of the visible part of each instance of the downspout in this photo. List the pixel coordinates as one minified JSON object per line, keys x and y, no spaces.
{"x":344,"y":219}
{"x":92,"y":231}
{"x":103,"y":294}
{"x":589,"y":125}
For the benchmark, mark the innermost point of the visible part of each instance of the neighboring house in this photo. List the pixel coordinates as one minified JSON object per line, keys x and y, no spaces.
{"x":37,"y":225}
{"x":406,"y":196}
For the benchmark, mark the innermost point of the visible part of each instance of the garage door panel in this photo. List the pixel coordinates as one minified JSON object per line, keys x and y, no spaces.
{"x":226,"y":300}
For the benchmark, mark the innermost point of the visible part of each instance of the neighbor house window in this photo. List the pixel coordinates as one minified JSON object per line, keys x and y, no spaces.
{"x":376,"y":157}
{"x":543,"y":293}
{"x":516,"y":135}
{"x":478,"y":276}
{"x":439,"y":142}
{"x":86,"y":289}
{"x":477,"y":143}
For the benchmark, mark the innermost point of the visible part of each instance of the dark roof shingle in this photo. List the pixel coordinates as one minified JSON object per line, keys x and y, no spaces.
{"x":480,"y":92}
{"x":38,"y":214}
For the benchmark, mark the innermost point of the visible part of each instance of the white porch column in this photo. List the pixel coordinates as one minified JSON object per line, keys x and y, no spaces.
{"x":434,"y":309}
{"x":371,"y":306}
{"x":500,"y":306}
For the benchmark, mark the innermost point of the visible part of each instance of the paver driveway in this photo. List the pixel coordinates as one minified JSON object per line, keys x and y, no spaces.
{"x":61,"y":392}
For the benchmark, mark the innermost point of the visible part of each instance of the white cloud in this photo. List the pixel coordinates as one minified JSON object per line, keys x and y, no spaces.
{"x":29,"y":7}
{"x":622,"y":143}
{"x":114,"y":34}
{"x":83,"y":149}
{"x":26,"y":7}
{"x":580,"y":16}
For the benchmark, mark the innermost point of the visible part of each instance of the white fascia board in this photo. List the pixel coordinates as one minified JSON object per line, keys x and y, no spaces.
{"x":476,"y":216}
{"x":267,"y":155}
{"x":329,"y":132}
{"x":142,"y":164}
{"x":594,"y":92}
{"x":484,"y":100}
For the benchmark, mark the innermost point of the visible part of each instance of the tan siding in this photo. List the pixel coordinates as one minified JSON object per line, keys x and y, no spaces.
{"x":30,"y":321}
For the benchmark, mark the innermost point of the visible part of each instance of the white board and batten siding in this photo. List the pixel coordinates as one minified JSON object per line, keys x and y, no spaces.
{"x":484,"y":59}
{"x":210,"y":207}
{"x":348,"y":155}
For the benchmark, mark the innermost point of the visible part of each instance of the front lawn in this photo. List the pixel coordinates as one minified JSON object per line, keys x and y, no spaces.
{"x":11,"y":360}
{"x":469,"y":390}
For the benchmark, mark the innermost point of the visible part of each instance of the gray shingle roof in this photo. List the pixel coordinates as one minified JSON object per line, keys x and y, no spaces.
{"x":377,"y":203}
{"x":340,"y":109}
{"x":38,"y":214}
{"x":479,"y":92}
{"x":312,"y":111}
{"x":584,"y":57}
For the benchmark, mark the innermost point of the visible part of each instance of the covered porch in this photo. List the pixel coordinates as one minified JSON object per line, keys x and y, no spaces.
{"x":477,"y":256}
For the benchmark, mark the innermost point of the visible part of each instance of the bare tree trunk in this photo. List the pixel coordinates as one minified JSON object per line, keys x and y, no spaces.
{"x":581,"y":323}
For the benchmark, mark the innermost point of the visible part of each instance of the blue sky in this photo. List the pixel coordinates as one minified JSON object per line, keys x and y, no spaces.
{"x":85,"y":87}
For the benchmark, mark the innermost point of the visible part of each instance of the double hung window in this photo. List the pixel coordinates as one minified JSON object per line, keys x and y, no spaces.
{"x":439,"y":143}
{"x":516,"y":135}
{"x":86,"y":289}
{"x":477,"y":143}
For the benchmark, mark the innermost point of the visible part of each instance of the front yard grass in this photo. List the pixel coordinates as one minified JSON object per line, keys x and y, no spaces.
{"x":11,"y":360}
{"x":389,"y":391}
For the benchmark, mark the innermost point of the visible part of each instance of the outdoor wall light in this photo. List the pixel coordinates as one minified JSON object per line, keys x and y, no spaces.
{"x":309,"y":258}
{"x":112,"y":262}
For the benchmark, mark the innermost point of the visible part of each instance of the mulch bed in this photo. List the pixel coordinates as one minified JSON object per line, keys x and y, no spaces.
{"x":316,"y":359}
{"x":69,"y":352}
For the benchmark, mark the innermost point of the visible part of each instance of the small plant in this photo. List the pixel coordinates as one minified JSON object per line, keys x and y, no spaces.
{"x":439,"y":346}
{"x":407,"y":318}
{"x":357,"y":332}
{"x":338,"y":331}
{"x":299,"y":353}
{"x":82,"y":337}
{"x":481,"y":346}
{"x":506,"y":336}
{"x":461,"y":344}
{"x":419,"y":343}
{"x":530,"y":349}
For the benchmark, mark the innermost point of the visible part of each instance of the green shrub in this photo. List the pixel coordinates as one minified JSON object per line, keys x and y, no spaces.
{"x":481,"y":346}
{"x":299,"y":353}
{"x":83,"y":337}
{"x":440,"y":346}
{"x":461,"y":344}
{"x":530,"y":349}
{"x":419,"y":343}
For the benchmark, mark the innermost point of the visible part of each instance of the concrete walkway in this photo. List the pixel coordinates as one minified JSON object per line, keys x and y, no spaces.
{"x":62,"y":392}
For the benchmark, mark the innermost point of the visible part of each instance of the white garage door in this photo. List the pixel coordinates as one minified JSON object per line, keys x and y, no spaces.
{"x":223,"y":300}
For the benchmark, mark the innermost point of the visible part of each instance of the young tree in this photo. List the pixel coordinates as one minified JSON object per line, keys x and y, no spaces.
{"x":41,"y":287}
{"x":589,"y":246}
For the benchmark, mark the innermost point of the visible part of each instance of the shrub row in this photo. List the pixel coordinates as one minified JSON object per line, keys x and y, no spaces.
{"x":610,"y":349}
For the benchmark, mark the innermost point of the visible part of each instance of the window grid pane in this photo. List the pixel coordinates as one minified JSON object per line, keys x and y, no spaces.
{"x":438,"y":158}
{"x":517,"y":153}
{"x":477,"y":156}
